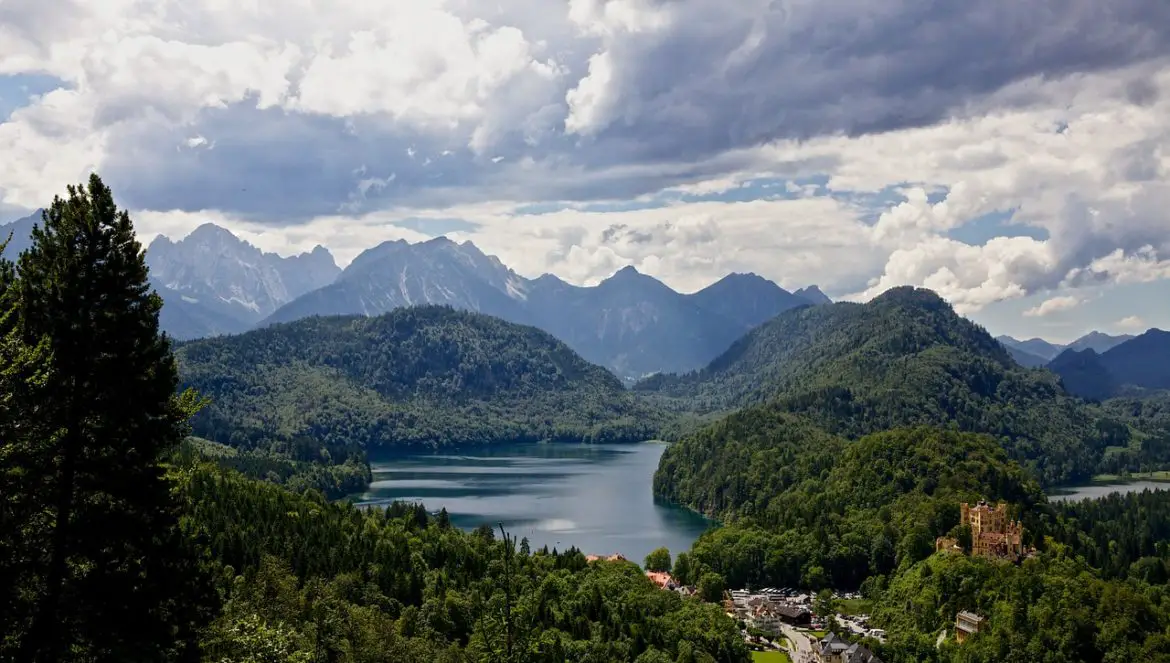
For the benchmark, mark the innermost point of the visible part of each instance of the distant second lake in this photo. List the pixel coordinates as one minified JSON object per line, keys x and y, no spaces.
{"x":1093,"y":491}
{"x":595,"y":497}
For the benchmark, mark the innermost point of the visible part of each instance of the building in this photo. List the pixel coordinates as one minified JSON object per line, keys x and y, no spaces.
{"x":793,"y":614}
{"x":834,"y":649}
{"x":993,"y":533}
{"x":764,"y":619}
{"x":662,"y":579}
{"x":967,"y":624}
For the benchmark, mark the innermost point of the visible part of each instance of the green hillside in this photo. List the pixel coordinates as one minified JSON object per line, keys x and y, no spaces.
{"x":905,"y":358}
{"x":416,"y":376}
{"x":816,"y":511}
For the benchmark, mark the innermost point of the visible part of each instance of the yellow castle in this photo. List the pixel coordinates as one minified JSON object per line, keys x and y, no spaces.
{"x":993,"y":533}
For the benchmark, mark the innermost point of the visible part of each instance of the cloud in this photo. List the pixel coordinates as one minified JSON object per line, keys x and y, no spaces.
{"x":1132,"y":323}
{"x":1053,"y":305}
{"x":638,"y":127}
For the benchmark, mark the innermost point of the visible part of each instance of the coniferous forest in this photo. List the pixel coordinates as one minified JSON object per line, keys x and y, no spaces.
{"x":179,"y":503}
{"x":118,"y":543}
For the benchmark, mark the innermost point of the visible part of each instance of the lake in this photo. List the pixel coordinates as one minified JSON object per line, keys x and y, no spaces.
{"x":1092,"y":491}
{"x":594,"y":497}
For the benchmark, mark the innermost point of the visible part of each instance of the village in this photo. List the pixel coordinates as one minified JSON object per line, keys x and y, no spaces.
{"x":785,"y":620}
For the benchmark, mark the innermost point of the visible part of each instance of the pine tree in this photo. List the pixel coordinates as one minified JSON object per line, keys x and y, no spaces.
{"x":23,"y":444}
{"x":117,"y":580}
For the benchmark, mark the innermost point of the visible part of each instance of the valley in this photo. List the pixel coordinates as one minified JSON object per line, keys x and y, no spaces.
{"x":392,"y":468}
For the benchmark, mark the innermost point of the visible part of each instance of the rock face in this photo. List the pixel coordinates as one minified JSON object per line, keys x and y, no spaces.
{"x":220,"y":277}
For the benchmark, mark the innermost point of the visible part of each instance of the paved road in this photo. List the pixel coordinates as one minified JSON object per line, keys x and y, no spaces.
{"x":802,"y":645}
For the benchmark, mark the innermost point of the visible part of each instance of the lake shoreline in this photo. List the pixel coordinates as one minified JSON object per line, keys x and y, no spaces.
{"x":595,"y":497}
{"x":1097,"y":489}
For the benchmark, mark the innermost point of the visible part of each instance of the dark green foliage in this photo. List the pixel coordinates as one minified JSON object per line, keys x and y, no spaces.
{"x":415,"y":376}
{"x":1120,"y":535}
{"x":334,"y":480}
{"x":1051,"y":609}
{"x":839,"y":512}
{"x":658,"y":560}
{"x":331,"y":582}
{"x":91,"y":517}
{"x":904,"y":358}
{"x":1084,"y":374}
{"x":1143,"y":441}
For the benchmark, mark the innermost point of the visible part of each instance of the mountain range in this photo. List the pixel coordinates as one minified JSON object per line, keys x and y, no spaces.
{"x":214,"y":283}
{"x":1038,"y":352}
{"x":1141,"y":363}
{"x":904,"y":358}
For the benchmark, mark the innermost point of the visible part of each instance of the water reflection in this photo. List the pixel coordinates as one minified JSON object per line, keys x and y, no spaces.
{"x":595,"y":497}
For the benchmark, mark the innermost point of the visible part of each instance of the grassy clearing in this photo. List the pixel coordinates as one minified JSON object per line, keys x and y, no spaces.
{"x":770,"y":657}
{"x":854,"y":606}
{"x":1160,"y":475}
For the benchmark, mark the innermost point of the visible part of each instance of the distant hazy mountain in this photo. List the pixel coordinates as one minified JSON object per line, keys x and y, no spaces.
{"x":749,"y":299}
{"x":1037,"y":347}
{"x":813,"y":294}
{"x":1084,"y":374}
{"x":396,"y":274}
{"x":1098,"y":342}
{"x":21,"y":230}
{"x":228,"y":279}
{"x":1025,"y":358}
{"x":1143,"y":362}
{"x":631,"y":323}
{"x":1025,"y":352}
{"x":637,"y":325}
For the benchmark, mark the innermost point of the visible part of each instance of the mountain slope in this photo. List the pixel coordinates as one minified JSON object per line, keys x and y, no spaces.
{"x":747,"y":299}
{"x":631,"y":323}
{"x":1083,"y":373}
{"x":1034,"y":346}
{"x":21,"y":231}
{"x":396,"y":274}
{"x":905,"y":358}
{"x":213,"y":269}
{"x":416,"y":376}
{"x":1098,"y":342}
{"x":813,"y":295}
{"x":1143,"y":362}
{"x":1025,"y":358}
{"x":808,"y":510}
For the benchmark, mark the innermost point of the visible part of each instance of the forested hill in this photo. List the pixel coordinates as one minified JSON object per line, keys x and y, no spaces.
{"x":424,"y":375}
{"x":826,"y":512}
{"x":904,"y":358}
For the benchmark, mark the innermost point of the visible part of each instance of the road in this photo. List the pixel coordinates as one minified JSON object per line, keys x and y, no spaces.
{"x":802,"y":647}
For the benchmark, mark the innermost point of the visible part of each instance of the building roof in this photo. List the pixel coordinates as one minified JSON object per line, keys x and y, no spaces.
{"x":791,"y":611}
{"x":860,"y":654}
{"x":969,"y":616}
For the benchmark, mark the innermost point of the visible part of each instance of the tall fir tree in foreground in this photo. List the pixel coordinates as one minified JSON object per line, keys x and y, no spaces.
{"x":88,"y":409}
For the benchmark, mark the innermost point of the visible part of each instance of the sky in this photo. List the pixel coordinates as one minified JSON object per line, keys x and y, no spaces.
{"x":1013,"y":156}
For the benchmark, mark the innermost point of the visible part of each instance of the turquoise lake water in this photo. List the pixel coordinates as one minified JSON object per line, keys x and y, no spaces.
{"x":594,"y":497}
